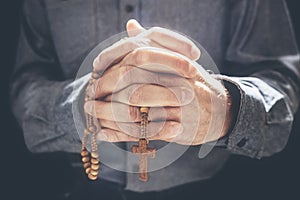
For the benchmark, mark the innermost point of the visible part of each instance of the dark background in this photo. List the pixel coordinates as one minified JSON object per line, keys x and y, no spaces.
{"x":28,"y":176}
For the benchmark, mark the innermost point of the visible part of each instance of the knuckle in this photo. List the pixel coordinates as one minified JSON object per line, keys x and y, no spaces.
{"x":131,"y":44}
{"x":96,"y":62}
{"x":149,"y":77}
{"x":177,"y":63}
{"x":140,"y":57}
{"x":157,"y":79}
{"x":101,"y":57}
{"x":126,"y":69}
{"x":126,"y":74}
{"x":142,"y":42}
{"x":101,"y":61}
{"x":93,"y":90}
{"x":154,"y":32}
{"x":188,"y":46}
{"x":97,"y":88}
{"x":192,"y":71}
{"x":134,"y":56}
{"x":135,"y":94}
{"x":166,"y":81}
{"x":156,"y":29}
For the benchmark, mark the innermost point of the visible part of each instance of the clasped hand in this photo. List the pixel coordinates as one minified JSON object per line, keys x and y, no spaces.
{"x":154,"y":68}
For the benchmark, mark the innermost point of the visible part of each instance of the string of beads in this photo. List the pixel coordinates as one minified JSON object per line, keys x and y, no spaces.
{"x":90,"y":160}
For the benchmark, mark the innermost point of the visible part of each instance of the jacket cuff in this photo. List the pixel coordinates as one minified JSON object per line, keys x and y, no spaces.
{"x":246,"y":136}
{"x":70,"y":115}
{"x":51,"y":114}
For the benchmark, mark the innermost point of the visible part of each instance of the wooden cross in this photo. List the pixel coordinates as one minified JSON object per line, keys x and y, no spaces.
{"x":144,"y":153}
{"x":142,"y":149}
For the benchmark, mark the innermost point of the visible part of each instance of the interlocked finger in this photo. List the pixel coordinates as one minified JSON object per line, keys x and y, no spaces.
{"x":119,"y":78}
{"x":119,"y":112}
{"x":113,"y":132}
{"x":152,"y":96}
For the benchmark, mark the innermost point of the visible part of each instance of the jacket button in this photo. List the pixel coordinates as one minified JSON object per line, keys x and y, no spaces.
{"x":129,"y":8}
{"x":242,"y":142}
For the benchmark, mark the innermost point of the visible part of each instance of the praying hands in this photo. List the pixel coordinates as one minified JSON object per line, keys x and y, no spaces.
{"x":155,"y":68}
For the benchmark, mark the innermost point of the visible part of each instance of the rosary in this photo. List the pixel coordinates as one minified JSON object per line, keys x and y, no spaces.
{"x":91,"y":159}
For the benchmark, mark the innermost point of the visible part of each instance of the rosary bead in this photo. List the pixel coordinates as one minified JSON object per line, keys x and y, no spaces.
{"x":86,"y":165}
{"x":94,"y":161}
{"x":87,"y":99}
{"x":95,"y":75}
{"x":95,"y":155}
{"x":85,"y":159}
{"x":144,"y":110}
{"x":88,"y":170}
{"x":92,"y":177}
{"x":84,"y":153}
{"x":92,"y":81}
{"x":86,"y":132}
{"x":90,"y":160}
{"x":94,"y":172}
{"x":94,"y":167}
{"x":92,"y":128}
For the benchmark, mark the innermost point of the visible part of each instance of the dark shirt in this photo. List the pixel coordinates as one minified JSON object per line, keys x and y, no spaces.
{"x":251,"y":41}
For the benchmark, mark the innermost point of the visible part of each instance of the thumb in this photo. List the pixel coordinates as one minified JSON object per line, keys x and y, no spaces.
{"x":133,"y":28}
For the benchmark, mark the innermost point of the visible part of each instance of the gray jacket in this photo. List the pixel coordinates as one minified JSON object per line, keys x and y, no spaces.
{"x":251,"y":41}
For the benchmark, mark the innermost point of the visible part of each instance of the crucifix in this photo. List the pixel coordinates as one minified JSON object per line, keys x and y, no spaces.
{"x":91,"y":161}
{"x":142,"y":148}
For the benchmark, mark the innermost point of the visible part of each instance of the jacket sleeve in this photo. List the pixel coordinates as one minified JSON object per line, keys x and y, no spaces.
{"x":40,"y":95}
{"x":263,"y":66}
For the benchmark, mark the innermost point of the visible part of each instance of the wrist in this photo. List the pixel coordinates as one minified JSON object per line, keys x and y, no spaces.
{"x":228,"y":116}
{"x":233,"y":104}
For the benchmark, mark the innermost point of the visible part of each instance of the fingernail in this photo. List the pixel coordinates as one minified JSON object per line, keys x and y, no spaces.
{"x":88,"y":107}
{"x":192,"y":72}
{"x":195,"y":53}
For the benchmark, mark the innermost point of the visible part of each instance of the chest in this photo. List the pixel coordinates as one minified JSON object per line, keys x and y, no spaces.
{"x":79,"y":25}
